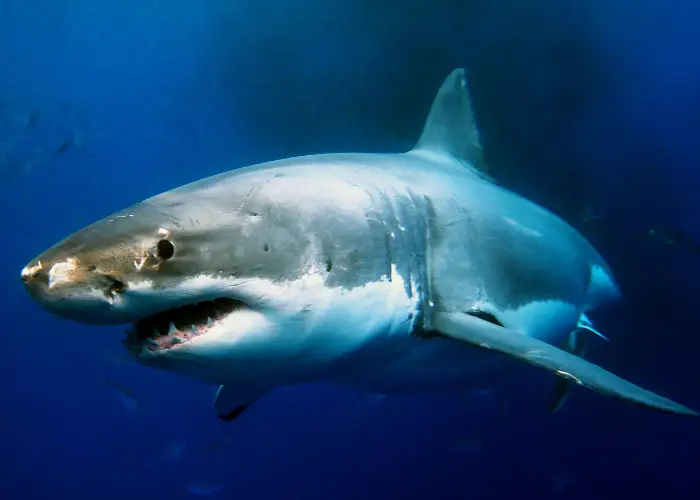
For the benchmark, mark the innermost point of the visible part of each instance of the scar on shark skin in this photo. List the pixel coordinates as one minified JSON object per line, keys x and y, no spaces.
{"x":569,"y":376}
{"x":537,"y":355}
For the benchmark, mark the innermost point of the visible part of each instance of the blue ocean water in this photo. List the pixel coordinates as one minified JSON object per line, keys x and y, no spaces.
{"x":585,"y":107}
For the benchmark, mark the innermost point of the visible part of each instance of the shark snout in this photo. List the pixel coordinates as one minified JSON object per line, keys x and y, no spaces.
{"x":67,"y":289}
{"x":35,"y":277}
{"x":44,"y":275}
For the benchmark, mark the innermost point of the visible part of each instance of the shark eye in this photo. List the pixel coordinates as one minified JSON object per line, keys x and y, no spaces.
{"x":165,"y":249}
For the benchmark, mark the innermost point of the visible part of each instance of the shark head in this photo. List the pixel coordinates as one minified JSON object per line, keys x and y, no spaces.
{"x":254,"y":270}
{"x":247,"y":265}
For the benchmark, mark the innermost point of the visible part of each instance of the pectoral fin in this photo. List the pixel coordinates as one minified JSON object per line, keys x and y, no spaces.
{"x":486,"y":335}
{"x":231,"y":402}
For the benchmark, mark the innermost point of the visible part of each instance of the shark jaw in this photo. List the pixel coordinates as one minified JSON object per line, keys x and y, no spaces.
{"x":172,"y":328}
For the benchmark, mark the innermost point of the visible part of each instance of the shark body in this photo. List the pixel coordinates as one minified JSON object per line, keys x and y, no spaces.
{"x":391,"y":273}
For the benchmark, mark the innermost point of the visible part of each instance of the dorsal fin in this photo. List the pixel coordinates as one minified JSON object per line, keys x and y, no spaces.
{"x":451,"y":129}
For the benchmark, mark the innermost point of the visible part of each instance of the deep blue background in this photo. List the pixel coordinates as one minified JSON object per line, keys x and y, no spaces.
{"x":579,"y":102}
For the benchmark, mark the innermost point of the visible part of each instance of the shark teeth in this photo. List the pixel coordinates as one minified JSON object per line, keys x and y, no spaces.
{"x":169,"y":328}
{"x":174,"y":336}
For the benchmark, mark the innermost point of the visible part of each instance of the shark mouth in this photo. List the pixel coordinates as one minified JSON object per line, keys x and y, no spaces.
{"x":174,"y":327}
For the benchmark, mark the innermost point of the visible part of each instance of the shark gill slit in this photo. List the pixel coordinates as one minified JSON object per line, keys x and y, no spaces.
{"x":411,"y":218}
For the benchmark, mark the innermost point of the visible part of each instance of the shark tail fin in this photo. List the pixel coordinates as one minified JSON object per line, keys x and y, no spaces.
{"x":451,"y":130}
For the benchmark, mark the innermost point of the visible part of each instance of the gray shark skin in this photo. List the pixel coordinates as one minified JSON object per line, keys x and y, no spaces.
{"x":391,"y":273}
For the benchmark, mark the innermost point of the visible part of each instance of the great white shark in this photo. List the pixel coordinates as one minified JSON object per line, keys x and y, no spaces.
{"x":407,"y":273}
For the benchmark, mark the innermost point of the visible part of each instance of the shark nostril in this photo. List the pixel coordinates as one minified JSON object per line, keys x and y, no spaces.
{"x":116,"y":286}
{"x":113,"y":286}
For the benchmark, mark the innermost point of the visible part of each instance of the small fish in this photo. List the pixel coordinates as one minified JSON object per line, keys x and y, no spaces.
{"x":76,"y":140}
